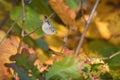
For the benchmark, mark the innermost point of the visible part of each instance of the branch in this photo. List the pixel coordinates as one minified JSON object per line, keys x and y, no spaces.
{"x":9,"y":30}
{"x":86,"y":28}
{"x":113,"y":55}
{"x":23,"y":29}
{"x":33,"y":31}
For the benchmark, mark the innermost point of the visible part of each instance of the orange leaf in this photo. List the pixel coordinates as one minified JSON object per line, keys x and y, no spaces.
{"x":66,"y":14}
{"x":7,"y":48}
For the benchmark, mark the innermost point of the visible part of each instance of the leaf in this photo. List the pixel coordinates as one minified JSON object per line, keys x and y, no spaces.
{"x":107,"y":20}
{"x":32,"y":20}
{"x":43,"y":7}
{"x":31,"y":59}
{"x":68,"y":67}
{"x":106,"y":23}
{"x":24,"y":59}
{"x":66,"y":14}
{"x":103,"y":29}
{"x":114,"y":26}
{"x":52,"y":40}
{"x":102,"y":48}
{"x":105,"y":49}
{"x":2,"y":34}
{"x":26,"y":62}
{"x":41,"y":55}
{"x":42,"y":44}
{"x":71,"y":3}
{"x":23,"y":74}
{"x":7,"y":48}
{"x":21,"y":59}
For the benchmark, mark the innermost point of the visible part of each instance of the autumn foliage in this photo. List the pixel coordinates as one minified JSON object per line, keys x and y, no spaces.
{"x":27,"y":53}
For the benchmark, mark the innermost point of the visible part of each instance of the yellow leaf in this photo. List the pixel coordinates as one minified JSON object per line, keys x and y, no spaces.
{"x":103,"y":29}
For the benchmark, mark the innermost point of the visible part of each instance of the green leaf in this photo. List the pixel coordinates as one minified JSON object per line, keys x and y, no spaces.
{"x":42,"y":44}
{"x":31,"y":59}
{"x":35,"y":72}
{"x":103,"y":48}
{"x":26,"y":62}
{"x":29,"y":41}
{"x":17,"y":30}
{"x":67,"y":68}
{"x":71,"y":3}
{"x":43,"y":6}
{"x":24,"y":59}
{"x":21,"y":59}
{"x":32,"y":20}
{"x":23,"y":74}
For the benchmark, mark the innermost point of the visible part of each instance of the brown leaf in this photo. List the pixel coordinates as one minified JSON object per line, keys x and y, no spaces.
{"x":7,"y":48}
{"x":66,"y":14}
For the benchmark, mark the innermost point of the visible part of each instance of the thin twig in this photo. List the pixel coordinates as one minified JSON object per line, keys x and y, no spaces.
{"x":65,"y":39}
{"x":50,"y":16}
{"x":115,"y":54}
{"x":33,"y":30}
{"x":86,"y":28}
{"x":23,"y":29}
{"x":9,"y":30}
{"x":23,"y":18}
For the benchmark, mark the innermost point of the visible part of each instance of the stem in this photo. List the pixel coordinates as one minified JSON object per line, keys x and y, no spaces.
{"x":33,"y":31}
{"x":23,"y":29}
{"x":115,"y":54}
{"x":9,"y":30}
{"x":50,"y":16}
{"x":86,"y":28}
